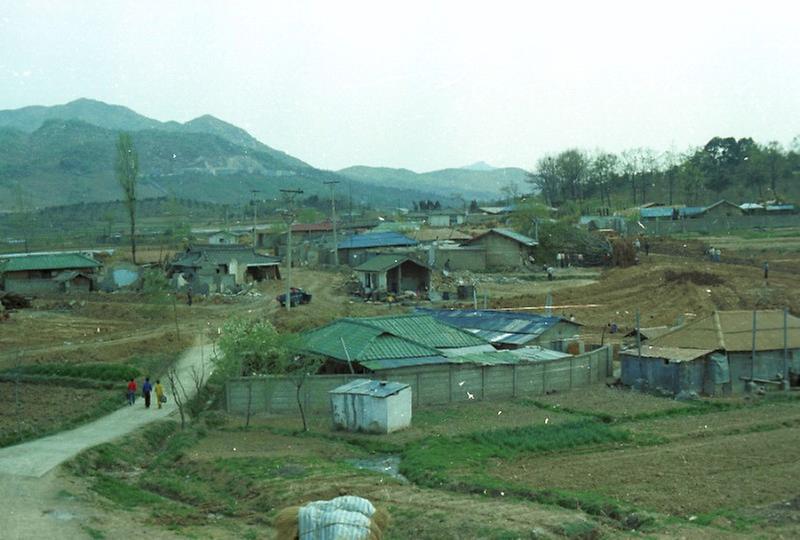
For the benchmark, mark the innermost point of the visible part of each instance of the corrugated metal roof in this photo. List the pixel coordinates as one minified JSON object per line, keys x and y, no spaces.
{"x":538,"y":354}
{"x":424,"y":329}
{"x":673,"y":354}
{"x":381,"y":263}
{"x":367,"y":387}
{"x":197,"y":256}
{"x":55,"y":261}
{"x":666,"y":211}
{"x":362,"y":342}
{"x":397,"y":363}
{"x":497,"y":326}
{"x":513,"y":235}
{"x":380,"y":239}
{"x":732,"y":331}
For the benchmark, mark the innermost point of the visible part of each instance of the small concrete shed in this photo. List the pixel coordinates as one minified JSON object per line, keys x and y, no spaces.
{"x":371,"y":406}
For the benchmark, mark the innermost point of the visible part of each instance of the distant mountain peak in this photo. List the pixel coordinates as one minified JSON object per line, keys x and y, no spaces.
{"x":479,"y":166}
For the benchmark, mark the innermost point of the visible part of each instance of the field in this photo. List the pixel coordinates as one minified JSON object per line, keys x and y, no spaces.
{"x":517,"y":469}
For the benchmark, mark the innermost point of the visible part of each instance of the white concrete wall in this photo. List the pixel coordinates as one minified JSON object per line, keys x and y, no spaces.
{"x":356,"y":412}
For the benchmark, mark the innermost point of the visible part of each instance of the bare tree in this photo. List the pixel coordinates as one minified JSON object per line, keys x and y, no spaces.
{"x":127,"y":168}
{"x":297,"y":369}
{"x":183,"y":395}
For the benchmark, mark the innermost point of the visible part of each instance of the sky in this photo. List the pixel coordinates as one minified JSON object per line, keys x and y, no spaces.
{"x":421,"y":85}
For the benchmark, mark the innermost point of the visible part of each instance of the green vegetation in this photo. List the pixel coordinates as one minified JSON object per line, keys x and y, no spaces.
{"x":96,"y":371}
{"x":724,"y":168}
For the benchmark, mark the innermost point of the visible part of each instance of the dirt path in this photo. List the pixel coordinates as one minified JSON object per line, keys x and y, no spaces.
{"x":32,"y":491}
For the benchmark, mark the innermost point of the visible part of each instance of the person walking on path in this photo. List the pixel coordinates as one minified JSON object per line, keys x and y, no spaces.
{"x":766,"y":270}
{"x":146,"y":389}
{"x":131,"y":391}
{"x":159,"y":393}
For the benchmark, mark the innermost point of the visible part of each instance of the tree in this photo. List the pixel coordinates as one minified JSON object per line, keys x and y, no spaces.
{"x":253,"y":347}
{"x":602,"y":171}
{"x":297,"y":368}
{"x":127,"y":168}
{"x":547,"y":179}
{"x":573,"y":166}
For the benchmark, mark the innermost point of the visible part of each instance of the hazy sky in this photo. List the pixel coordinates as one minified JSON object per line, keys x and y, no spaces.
{"x":422,"y":85}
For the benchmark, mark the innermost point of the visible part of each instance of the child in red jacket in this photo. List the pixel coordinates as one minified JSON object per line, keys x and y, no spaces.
{"x":131,"y":392}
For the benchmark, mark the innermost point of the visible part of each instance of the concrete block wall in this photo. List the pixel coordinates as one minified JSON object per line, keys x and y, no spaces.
{"x":430,"y":385}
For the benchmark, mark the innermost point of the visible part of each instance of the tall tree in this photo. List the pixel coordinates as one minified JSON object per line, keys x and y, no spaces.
{"x":127,"y":168}
{"x":546,"y":178}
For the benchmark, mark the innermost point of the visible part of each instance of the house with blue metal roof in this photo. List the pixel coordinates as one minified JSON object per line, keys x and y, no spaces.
{"x":512,"y":330}
{"x":357,"y":248}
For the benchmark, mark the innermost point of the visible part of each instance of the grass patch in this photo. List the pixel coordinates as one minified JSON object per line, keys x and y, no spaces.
{"x":125,"y":495}
{"x":427,"y":461}
{"x":96,"y":371}
{"x":726,"y":519}
{"x":580,"y":530}
{"x":93,"y":533}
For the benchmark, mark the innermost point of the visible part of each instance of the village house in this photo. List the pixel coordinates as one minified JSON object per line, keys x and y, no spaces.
{"x":393,"y":274}
{"x":512,"y":330}
{"x":222,"y":268}
{"x":716,"y":355}
{"x":505,"y":249}
{"x":357,"y":248}
{"x":224,"y":238}
{"x":53,"y":272}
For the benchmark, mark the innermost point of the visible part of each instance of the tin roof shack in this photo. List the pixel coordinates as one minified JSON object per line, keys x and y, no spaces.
{"x":394,"y":274}
{"x":670,"y":369}
{"x":723,"y":209}
{"x":30,"y":274}
{"x":221,"y":268}
{"x":504,"y":248}
{"x":773,"y":360}
{"x":511,"y":330}
{"x":356,"y":249}
{"x":371,"y":406}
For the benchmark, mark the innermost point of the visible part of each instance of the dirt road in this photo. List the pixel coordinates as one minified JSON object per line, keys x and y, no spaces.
{"x":32,"y":492}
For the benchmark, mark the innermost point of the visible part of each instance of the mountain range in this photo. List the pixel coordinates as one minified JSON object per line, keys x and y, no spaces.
{"x":65,"y":153}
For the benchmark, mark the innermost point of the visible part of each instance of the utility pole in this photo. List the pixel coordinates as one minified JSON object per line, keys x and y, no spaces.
{"x":332,"y":184}
{"x":255,"y":214}
{"x":288,"y":196}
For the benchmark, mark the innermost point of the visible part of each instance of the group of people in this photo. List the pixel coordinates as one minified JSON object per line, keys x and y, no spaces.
{"x":714,"y":254}
{"x":637,"y":244}
{"x":147,"y":389}
{"x":565,"y":260}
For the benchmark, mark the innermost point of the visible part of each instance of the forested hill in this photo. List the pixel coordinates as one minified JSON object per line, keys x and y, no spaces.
{"x":470,"y":183}
{"x":739,"y":170}
{"x":65,"y":154}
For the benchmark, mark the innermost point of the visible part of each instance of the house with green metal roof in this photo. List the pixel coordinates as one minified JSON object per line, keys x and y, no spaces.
{"x":48,"y":272}
{"x":393,"y":273}
{"x":219,"y":268}
{"x":391,"y":342}
{"x":505,"y":248}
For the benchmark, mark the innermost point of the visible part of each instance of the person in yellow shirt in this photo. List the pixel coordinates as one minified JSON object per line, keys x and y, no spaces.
{"x":159,"y":393}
